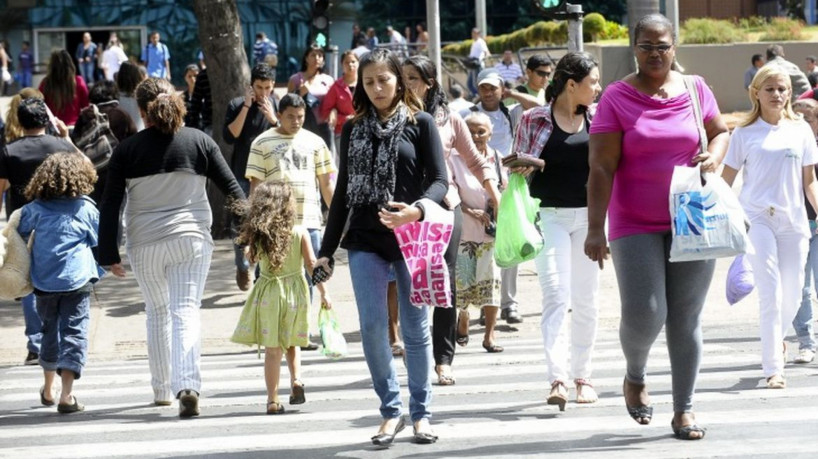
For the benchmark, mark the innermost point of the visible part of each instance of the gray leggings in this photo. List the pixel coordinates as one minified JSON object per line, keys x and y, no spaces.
{"x":656,"y":292}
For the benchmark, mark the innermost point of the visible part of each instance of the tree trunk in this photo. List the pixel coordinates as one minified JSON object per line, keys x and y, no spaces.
{"x":227,"y":69}
{"x":637,"y":9}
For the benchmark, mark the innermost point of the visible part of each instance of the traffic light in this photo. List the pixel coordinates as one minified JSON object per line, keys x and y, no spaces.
{"x":549,"y":6}
{"x":320,"y":22}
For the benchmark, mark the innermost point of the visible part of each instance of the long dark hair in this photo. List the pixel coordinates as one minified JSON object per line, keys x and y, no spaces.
{"x":361,"y":102}
{"x":128,"y":78}
{"x":435,"y":97}
{"x":60,"y":84}
{"x":573,"y":66}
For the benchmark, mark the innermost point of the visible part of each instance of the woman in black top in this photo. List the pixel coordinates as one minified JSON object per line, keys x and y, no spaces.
{"x":165,"y":169}
{"x":558,"y":133}
{"x":391,"y":157}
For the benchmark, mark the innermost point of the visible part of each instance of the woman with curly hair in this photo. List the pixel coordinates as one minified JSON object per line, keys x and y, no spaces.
{"x":64,"y":222}
{"x":165,"y":169}
{"x":275,"y":314}
{"x":66,"y":93}
{"x":420,"y":75}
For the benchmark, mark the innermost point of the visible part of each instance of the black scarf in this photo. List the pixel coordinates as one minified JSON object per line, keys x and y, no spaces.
{"x":372,"y":173}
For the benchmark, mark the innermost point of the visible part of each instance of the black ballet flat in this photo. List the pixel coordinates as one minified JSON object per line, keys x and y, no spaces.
{"x":386,"y":439}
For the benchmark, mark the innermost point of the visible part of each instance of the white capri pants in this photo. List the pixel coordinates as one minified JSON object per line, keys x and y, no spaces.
{"x":171,"y":276}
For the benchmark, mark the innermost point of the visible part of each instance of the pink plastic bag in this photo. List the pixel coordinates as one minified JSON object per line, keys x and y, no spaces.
{"x":423,"y":245}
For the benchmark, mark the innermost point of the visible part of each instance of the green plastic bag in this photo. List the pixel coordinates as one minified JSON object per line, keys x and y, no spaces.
{"x":518,"y":235}
{"x":332,"y":340}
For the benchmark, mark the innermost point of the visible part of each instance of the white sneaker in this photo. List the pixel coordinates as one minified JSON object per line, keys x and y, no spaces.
{"x":805,"y":356}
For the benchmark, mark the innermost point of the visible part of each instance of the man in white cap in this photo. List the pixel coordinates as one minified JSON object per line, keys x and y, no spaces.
{"x":504,"y":121}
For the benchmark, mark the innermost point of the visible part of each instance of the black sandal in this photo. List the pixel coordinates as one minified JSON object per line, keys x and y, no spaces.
{"x":297,"y":393}
{"x":275,"y":408}
{"x":642,"y":414}
{"x":492,"y":348}
{"x":684,"y":432}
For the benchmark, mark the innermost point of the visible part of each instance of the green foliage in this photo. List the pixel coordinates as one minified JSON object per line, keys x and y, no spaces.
{"x":613,"y":31}
{"x":783,"y":29}
{"x":711,"y":31}
{"x":543,"y":32}
{"x":753,"y":23}
{"x":594,"y":25}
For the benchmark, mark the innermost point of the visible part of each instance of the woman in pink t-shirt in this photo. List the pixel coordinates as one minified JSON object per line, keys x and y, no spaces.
{"x":644,"y":126}
{"x":65,"y":92}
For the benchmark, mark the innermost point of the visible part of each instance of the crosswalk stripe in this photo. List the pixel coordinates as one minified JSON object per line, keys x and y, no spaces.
{"x":528,"y":426}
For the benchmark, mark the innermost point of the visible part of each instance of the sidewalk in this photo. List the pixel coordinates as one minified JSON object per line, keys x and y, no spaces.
{"x":117,"y":329}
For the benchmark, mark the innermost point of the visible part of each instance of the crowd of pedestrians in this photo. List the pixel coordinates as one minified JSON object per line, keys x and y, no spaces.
{"x":384,"y":146}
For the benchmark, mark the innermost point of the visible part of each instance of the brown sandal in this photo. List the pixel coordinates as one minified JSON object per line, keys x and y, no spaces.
{"x":297,"y":393}
{"x":585,"y":391}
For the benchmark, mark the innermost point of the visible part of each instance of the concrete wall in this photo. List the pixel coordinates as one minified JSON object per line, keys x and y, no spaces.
{"x":722,"y":66}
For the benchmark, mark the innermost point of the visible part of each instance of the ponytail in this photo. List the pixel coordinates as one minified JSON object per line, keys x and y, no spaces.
{"x":163,"y":107}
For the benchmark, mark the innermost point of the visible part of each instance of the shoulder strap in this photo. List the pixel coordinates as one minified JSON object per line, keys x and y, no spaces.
{"x":690,"y":84}
{"x":497,"y":167}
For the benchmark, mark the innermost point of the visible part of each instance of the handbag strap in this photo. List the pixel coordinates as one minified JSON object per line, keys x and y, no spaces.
{"x":497,"y":167}
{"x":692,"y":90}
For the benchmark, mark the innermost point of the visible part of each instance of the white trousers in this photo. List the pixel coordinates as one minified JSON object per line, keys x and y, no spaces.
{"x":171,"y":276}
{"x":778,"y":268}
{"x":569,"y":280}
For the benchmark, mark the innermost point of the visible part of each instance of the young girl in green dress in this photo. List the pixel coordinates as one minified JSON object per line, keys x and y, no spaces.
{"x":275,"y":314}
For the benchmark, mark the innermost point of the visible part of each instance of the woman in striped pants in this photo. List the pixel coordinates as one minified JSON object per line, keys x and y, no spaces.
{"x":164,"y":169}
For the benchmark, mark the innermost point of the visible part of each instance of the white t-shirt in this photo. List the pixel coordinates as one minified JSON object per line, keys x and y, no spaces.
{"x":773,"y":159}
{"x":113,"y":58}
{"x":479,"y":49}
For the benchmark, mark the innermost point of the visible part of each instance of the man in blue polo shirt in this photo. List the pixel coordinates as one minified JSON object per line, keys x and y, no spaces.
{"x":156,"y":57}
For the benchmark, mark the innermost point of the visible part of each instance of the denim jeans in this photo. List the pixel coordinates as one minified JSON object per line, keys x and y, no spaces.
{"x":803,"y":318}
{"x":87,"y":72}
{"x":238,"y":250}
{"x":34,"y":325}
{"x":65,"y":331}
{"x":370,"y":275}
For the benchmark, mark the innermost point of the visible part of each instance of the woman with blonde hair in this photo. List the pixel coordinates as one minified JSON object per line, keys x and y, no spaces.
{"x":165,"y":169}
{"x":777,"y":151}
{"x":13,"y":129}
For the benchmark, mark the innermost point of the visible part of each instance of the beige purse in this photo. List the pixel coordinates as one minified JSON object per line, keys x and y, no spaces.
{"x":15,"y":261}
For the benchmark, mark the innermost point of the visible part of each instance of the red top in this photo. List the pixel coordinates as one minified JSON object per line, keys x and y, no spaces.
{"x":71,"y":112}
{"x":338,"y":97}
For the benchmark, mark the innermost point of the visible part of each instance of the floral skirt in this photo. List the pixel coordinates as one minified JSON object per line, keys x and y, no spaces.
{"x":478,"y":276}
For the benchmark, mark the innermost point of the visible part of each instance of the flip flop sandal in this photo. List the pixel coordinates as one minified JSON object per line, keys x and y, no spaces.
{"x":462,"y":340}
{"x":638,"y":413}
{"x":275,"y":408}
{"x":297,"y":393}
{"x":492,"y":348}
{"x":74,"y":408}
{"x":43,"y":400}
{"x":685,"y":432}
{"x":397,"y":350}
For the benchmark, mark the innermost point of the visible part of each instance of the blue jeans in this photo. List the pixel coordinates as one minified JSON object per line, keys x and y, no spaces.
{"x":24,"y":77}
{"x":34,"y":325}
{"x":803,"y":318}
{"x":87,"y":71}
{"x":370,"y":276}
{"x":65,"y":331}
{"x":238,"y":250}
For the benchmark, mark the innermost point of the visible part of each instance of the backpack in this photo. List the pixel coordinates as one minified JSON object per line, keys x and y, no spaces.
{"x":98,"y":140}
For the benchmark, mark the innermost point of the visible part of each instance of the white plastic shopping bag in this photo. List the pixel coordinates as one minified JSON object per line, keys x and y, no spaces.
{"x":707,"y":220}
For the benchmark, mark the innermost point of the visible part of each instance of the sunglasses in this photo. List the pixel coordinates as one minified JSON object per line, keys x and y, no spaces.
{"x":542,"y":73}
{"x":648,"y":48}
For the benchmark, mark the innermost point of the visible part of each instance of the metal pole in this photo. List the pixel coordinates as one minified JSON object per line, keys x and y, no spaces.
{"x":574,"y":13}
{"x":332,"y":50}
{"x":480,"y":16}
{"x":672,"y":10}
{"x":433,"y":27}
